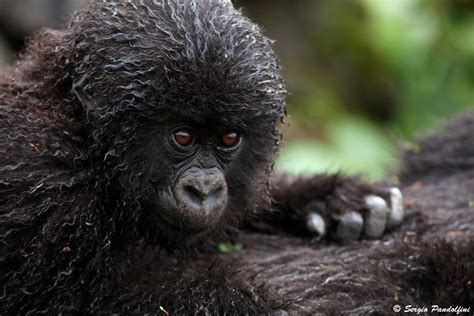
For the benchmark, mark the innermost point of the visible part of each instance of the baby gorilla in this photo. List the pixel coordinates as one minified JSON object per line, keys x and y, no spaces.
{"x":153,"y":123}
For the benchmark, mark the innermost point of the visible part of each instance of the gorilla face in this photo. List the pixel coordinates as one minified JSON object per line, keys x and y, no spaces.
{"x":195,"y":194}
{"x":193,"y":173}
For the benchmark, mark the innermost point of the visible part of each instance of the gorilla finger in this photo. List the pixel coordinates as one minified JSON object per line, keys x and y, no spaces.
{"x":349,"y":227}
{"x":316,"y":224}
{"x":397,"y":211}
{"x":376,"y":217}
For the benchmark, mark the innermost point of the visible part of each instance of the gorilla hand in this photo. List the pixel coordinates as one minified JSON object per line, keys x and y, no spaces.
{"x":336,"y":207}
{"x":369,"y":221}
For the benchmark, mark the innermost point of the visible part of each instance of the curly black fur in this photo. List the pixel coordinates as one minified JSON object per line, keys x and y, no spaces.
{"x":77,"y":113}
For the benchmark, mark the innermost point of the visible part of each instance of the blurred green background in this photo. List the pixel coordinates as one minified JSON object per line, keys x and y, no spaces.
{"x":364,"y":75}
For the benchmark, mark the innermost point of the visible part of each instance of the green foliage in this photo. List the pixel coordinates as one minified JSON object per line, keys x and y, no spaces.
{"x":430,"y":53}
{"x":227,"y":247}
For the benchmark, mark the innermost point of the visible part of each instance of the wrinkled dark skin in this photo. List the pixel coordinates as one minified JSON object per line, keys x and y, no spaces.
{"x":135,"y":141}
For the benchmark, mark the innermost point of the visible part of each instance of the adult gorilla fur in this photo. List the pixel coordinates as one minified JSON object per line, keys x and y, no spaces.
{"x":77,"y":113}
{"x":428,"y":261}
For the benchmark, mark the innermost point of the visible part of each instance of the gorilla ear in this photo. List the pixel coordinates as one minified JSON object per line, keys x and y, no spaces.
{"x":83,"y":97}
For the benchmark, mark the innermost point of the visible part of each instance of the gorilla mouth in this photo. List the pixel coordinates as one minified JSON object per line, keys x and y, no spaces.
{"x":199,"y":206}
{"x":196,"y":215}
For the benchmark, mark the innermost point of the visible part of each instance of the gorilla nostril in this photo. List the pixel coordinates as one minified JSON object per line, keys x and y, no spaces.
{"x":215,"y":196}
{"x":193,"y":194}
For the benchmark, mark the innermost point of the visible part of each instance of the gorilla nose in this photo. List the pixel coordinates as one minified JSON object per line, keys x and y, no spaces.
{"x":204,"y":194}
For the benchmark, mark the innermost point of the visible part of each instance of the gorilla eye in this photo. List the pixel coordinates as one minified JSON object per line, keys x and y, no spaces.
{"x":184,"y":137}
{"x":231,"y":139}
